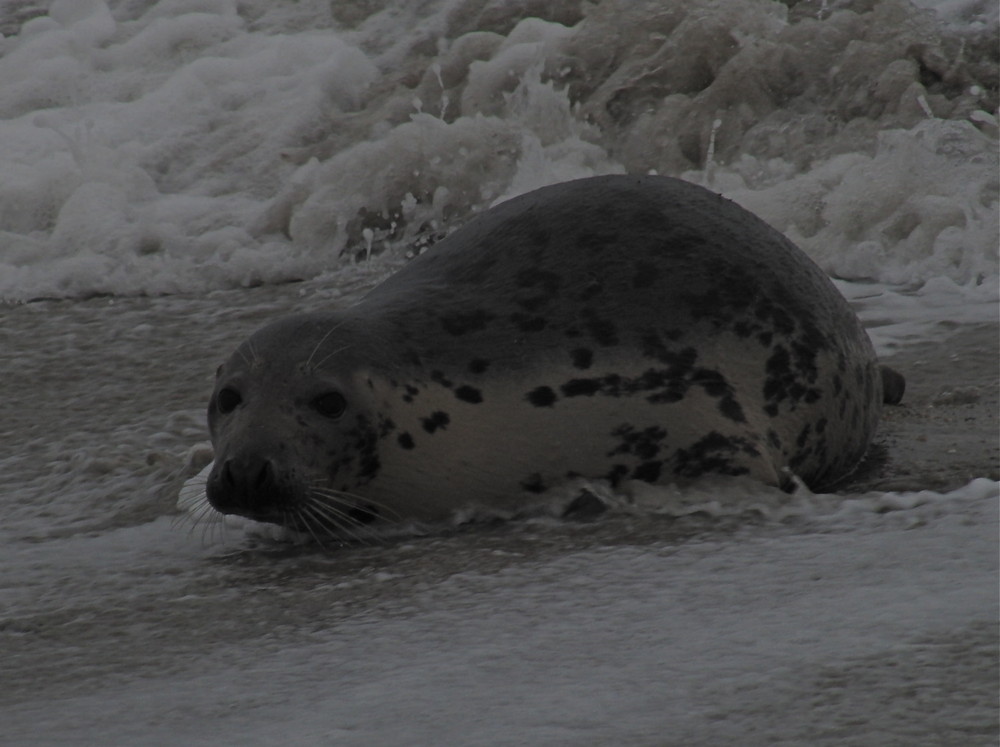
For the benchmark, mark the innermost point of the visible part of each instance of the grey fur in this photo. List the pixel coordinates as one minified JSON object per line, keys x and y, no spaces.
{"x":619,"y":328}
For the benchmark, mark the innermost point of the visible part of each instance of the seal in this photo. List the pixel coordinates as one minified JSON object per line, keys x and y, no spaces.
{"x":614,"y":328}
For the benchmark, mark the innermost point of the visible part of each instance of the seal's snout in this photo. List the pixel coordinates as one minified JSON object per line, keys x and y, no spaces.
{"x":243,"y":485}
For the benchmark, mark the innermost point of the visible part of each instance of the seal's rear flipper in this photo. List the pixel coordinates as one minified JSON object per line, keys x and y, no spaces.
{"x":893,"y":386}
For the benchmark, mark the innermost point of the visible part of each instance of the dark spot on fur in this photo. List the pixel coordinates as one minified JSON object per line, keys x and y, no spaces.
{"x":542,"y":396}
{"x":779,"y":363}
{"x":776,"y":316}
{"x":805,"y":361}
{"x":602,"y":331}
{"x":713,"y":382}
{"x":534,"y":483}
{"x":730,"y":408}
{"x":364,"y":441}
{"x":369,"y":467}
{"x":616,"y":474}
{"x":785,"y":379}
{"x":405,"y":440}
{"x":385,"y":426}
{"x":411,"y":392}
{"x":681,"y":362}
{"x":478,"y":365}
{"x":436,"y":420}
{"x":582,"y":358}
{"x":803,"y":435}
{"x":714,"y":453}
{"x":648,"y":471}
{"x":644,"y":444}
{"x":440,"y":378}
{"x":469,"y":394}
{"x":581,"y":387}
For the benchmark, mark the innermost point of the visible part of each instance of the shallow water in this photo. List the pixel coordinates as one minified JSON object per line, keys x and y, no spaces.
{"x":169,"y":165}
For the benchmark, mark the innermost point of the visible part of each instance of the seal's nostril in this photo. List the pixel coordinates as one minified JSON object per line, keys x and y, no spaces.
{"x":227,"y":474}
{"x":263,"y":476}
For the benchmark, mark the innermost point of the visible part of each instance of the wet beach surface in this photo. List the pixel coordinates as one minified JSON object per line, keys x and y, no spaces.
{"x":131,"y":620}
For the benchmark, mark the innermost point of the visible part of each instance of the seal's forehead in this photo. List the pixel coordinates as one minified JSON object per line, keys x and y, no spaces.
{"x":307,"y":342}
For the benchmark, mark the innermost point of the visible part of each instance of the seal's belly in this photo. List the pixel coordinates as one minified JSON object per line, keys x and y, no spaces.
{"x":501,"y":441}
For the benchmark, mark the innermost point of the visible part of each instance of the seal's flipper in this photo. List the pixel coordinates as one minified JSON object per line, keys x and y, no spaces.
{"x":893,"y":386}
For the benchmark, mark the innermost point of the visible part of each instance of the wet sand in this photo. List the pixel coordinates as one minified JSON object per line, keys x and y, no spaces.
{"x":945,"y":432}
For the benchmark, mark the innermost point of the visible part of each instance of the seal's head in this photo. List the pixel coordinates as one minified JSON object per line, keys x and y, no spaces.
{"x":292,"y":424}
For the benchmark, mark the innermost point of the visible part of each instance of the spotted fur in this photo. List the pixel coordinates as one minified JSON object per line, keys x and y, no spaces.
{"x":618,"y":328}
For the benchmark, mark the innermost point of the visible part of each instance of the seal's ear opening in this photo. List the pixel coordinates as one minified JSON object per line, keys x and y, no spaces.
{"x":893,"y":386}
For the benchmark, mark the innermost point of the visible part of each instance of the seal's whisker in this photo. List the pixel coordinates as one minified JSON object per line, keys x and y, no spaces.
{"x":345,"y":522}
{"x":248,"y":360}
{"x":385,"y":511}
{"x":215,"y":523}
{"x":319,"y":344}
{"x":303,"y":516}
{"x":340,"y":521}
{"x":339,"y":511}
{"x":192,"y":511}
{"x":329,"y":523}
{"x":332,"y":527}
{"x":211,"y":521}
{"x":330,"y":355}
{"x":201,"y":515}
{"x":254,"y":357}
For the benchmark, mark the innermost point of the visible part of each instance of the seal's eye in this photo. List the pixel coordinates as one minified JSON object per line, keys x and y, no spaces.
{"x":228,"y":400}
{"x":330,"y":404}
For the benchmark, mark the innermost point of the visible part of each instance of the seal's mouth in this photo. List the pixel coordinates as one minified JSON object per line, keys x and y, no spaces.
{"x":313,"y":517}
